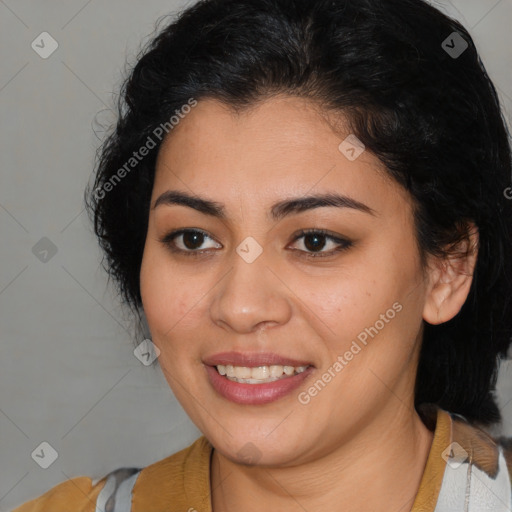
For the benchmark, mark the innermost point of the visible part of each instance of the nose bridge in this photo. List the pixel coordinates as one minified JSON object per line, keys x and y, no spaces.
{"x":250,"y":293}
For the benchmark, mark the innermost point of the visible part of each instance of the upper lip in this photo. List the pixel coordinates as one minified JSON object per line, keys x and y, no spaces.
{"x":252,"y":359}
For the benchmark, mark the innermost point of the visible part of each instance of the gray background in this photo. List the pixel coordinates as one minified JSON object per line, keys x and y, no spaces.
{"x":68,"y":375}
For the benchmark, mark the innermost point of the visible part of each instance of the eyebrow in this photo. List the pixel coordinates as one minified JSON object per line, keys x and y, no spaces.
{"x":278,"y":210}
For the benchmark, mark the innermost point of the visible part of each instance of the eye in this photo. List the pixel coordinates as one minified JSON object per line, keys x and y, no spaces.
{"x":316,"y":239}
{"x":191,"y":240}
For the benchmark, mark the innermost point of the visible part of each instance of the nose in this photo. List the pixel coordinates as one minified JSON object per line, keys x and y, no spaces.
{"x":250,"y":297}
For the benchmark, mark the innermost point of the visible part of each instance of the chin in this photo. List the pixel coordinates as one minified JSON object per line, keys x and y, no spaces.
{"x":259,"y":449}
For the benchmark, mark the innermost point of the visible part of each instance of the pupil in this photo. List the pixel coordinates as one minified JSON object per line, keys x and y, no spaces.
{"x":315,"y":245}
{"x":194,"y":236}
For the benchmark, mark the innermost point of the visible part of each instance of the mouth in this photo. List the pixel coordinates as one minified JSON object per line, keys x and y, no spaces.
{"x":255,"y":378}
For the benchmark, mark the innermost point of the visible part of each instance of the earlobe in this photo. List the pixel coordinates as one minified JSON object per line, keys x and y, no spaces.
{"x":450,"y":280}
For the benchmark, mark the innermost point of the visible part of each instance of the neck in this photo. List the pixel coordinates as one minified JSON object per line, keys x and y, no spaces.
{"x":379,"y":469}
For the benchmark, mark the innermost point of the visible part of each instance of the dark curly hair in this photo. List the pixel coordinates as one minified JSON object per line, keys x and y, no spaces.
{"x":431,"y":116}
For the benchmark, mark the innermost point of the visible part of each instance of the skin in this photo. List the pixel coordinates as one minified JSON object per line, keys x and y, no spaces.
{"x":359,"y":443}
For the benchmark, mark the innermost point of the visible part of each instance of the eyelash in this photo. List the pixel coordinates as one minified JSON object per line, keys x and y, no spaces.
{"x":344,"y":244}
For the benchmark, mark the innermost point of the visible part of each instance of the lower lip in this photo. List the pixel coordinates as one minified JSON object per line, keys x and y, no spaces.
{"x":255,"y":394}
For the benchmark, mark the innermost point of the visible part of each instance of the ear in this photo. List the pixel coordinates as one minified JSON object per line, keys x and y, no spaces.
{"x":450,"y":280}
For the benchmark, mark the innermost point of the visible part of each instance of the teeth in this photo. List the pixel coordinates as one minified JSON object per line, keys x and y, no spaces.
{"x":258,"y":374}
{"x":276,"y":371}
{"x":289,"y":370}
{"x":242,"y":372}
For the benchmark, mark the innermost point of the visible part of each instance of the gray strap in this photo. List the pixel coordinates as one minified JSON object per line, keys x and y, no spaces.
{"x":116,"y":495}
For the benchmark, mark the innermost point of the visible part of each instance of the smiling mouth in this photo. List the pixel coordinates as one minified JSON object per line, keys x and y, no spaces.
{"x":258,"y":374}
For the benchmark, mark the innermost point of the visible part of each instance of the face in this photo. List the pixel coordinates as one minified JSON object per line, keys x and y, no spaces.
{"x":243,"y":286}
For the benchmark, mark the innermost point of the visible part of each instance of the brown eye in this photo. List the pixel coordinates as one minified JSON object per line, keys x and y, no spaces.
{"x":316,"y":240}
{"x":191,"y":241}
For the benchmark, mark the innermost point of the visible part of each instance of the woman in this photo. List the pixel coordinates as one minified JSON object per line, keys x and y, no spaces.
{"x":307,"y":201}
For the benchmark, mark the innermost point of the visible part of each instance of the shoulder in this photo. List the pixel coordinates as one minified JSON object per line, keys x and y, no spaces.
{"x":158,"y":484}
{"x":79,"y":494}
{"x":481,"y":462}
{"x":488,"y":453}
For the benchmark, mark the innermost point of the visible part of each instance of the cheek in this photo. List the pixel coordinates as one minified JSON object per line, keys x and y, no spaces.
{"x":171,"y":300}
{"x":335,"y":302}
{"x":348,"y":313}
{"x":157,"y":292}
{"x":349,"y":305}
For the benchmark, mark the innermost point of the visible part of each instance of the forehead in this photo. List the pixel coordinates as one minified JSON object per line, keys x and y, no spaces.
{"x":282,"y":147}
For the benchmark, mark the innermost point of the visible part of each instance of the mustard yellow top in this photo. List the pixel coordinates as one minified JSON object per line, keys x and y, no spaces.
{"x":465,"y":466}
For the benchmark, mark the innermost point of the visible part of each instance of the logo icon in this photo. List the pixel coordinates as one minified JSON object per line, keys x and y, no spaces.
{"x":249,"y":453}
{"x":44,"y":250}
{"x":249,"y":249}
{"x":455,"y":455}
{"x":352,"y":148}
{"x":146,"y":352}
{"x":44,"y":45}
{"x":454,"y":45}
{"x":45,"y":455}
